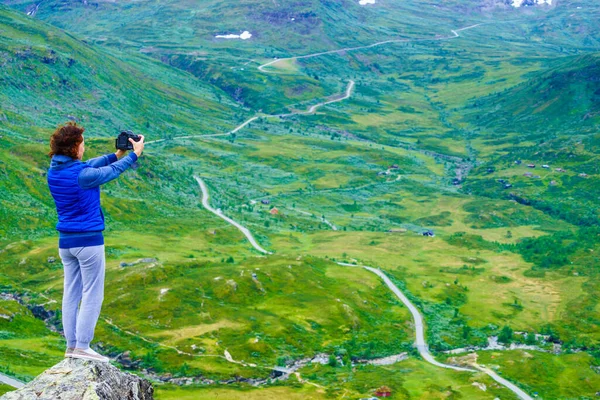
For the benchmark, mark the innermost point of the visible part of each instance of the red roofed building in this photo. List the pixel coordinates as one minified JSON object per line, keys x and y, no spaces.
{"x":274,"y":211}
{"x":383,"y":391}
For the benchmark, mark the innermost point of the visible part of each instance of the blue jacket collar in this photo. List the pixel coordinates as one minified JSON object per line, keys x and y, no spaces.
{"x":59,"y":160}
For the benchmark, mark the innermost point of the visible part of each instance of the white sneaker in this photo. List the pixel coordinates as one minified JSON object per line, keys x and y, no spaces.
{"x":69,"y":351}
{"x":88,"y":354}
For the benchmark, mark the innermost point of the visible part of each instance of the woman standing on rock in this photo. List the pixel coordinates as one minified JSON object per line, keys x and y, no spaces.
{"x":75,"y":187}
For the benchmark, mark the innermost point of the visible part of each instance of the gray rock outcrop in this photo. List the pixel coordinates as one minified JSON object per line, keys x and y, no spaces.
{"x":73,"y":379}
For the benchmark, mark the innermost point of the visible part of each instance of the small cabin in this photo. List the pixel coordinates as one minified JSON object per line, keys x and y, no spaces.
{"x":508,"y":185}
{"x":518,"y":162}
{"x":528,"y":174}
{"x":383,"y":391}
{"x":274,"y":211}
{"x":429,"y":233}
{"x":266,"y":201}
{"x":583,"y":175}
{"x":546,"y":166}
{"x":560,"y":170}
{"x":394,"y":166}
{"x":531,"y":165}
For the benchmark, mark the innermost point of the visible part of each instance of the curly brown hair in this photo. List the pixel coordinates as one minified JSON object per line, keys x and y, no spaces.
{"x":66,"y":140}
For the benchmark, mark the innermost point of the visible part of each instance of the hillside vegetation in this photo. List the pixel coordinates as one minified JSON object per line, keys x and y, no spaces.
{"x":436,"y":135}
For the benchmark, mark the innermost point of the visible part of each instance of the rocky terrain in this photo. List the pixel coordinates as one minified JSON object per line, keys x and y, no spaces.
{"x":73,"y":379}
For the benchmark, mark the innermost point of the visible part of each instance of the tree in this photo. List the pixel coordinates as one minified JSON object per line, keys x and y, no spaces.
{"x":506,"y":335}
{"x":530,"y":339}
{"x":466,"y":331}
{"x":332,"y":361}
{"x":184,"y":369}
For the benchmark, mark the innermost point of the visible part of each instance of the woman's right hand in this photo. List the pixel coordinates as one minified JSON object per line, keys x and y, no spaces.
{"x":138,"y":147}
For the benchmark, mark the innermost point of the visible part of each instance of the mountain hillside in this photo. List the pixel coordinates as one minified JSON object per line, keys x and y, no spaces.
{"x":564,"y":99}
{"x":329,"y":208}
{"x":71,"y":79}
{"x":49,"y":77}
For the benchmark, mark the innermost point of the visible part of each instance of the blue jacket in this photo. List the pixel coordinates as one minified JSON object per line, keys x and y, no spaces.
{"x":75,"y":187}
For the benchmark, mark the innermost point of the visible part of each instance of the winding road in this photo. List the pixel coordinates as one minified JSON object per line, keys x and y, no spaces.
{"x":311,"y":110}
{"x":332,"y":226}
{"x":218,"y":213}
{"x":7,"y":380}
{"x":346,"y":49}
{"x":420,"y":342}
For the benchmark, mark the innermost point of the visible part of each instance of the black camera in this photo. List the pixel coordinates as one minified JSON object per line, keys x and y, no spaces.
{"x":122,"y":142}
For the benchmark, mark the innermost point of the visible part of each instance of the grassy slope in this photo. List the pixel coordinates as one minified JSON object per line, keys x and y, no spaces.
{"x":428,"y":93}
{"x":550,"y":376}
{"x":48,"y":76}
{"x":70,"y":78}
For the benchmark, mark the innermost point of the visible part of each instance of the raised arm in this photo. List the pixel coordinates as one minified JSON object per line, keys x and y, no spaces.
{"x":93,"y":177}
{"x":96,"y":176}
{"x":102,"y":161}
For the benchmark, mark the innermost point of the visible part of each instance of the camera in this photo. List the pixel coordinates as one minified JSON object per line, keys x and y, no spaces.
{"x":122,"y":142}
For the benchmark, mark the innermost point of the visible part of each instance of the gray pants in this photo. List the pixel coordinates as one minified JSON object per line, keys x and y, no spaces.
{"x":84,"y":282}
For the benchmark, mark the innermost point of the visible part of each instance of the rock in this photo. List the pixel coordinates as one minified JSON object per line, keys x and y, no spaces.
{"x":51,"y":260}
{"x":74,"y":379}
{"x":233,"y":284}
{"x":41,"y":313}
{"x":464,"y":361}
{"x":125,"y":360}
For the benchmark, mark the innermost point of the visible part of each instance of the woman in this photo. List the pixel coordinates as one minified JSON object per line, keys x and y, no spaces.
{"x":75,"y":187}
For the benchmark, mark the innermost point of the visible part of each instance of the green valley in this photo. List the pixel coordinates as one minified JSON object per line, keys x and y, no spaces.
{"x":450,"y":145}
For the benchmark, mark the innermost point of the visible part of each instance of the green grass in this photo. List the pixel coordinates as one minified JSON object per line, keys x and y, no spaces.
{"x":517,"y":87}
{"x":407,"y":379}
{"x":270,"y":393}
{"x":27,"y":342}
{"x":569,"y":376}
{"x":5,"y":388}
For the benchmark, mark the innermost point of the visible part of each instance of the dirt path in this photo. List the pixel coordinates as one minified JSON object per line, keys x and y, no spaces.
{"x":314,"y":108}
{"x":218,"y":213}
{"x":420,"y":342}
{"x":345,"y":49}
{"x":332,"y":226}
{"x":311,"y":110}
{"x":7,"y":380}
{"x":520,"y":393}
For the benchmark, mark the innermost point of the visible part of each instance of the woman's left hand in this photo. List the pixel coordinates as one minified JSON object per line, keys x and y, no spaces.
{"x":120,"y":153}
